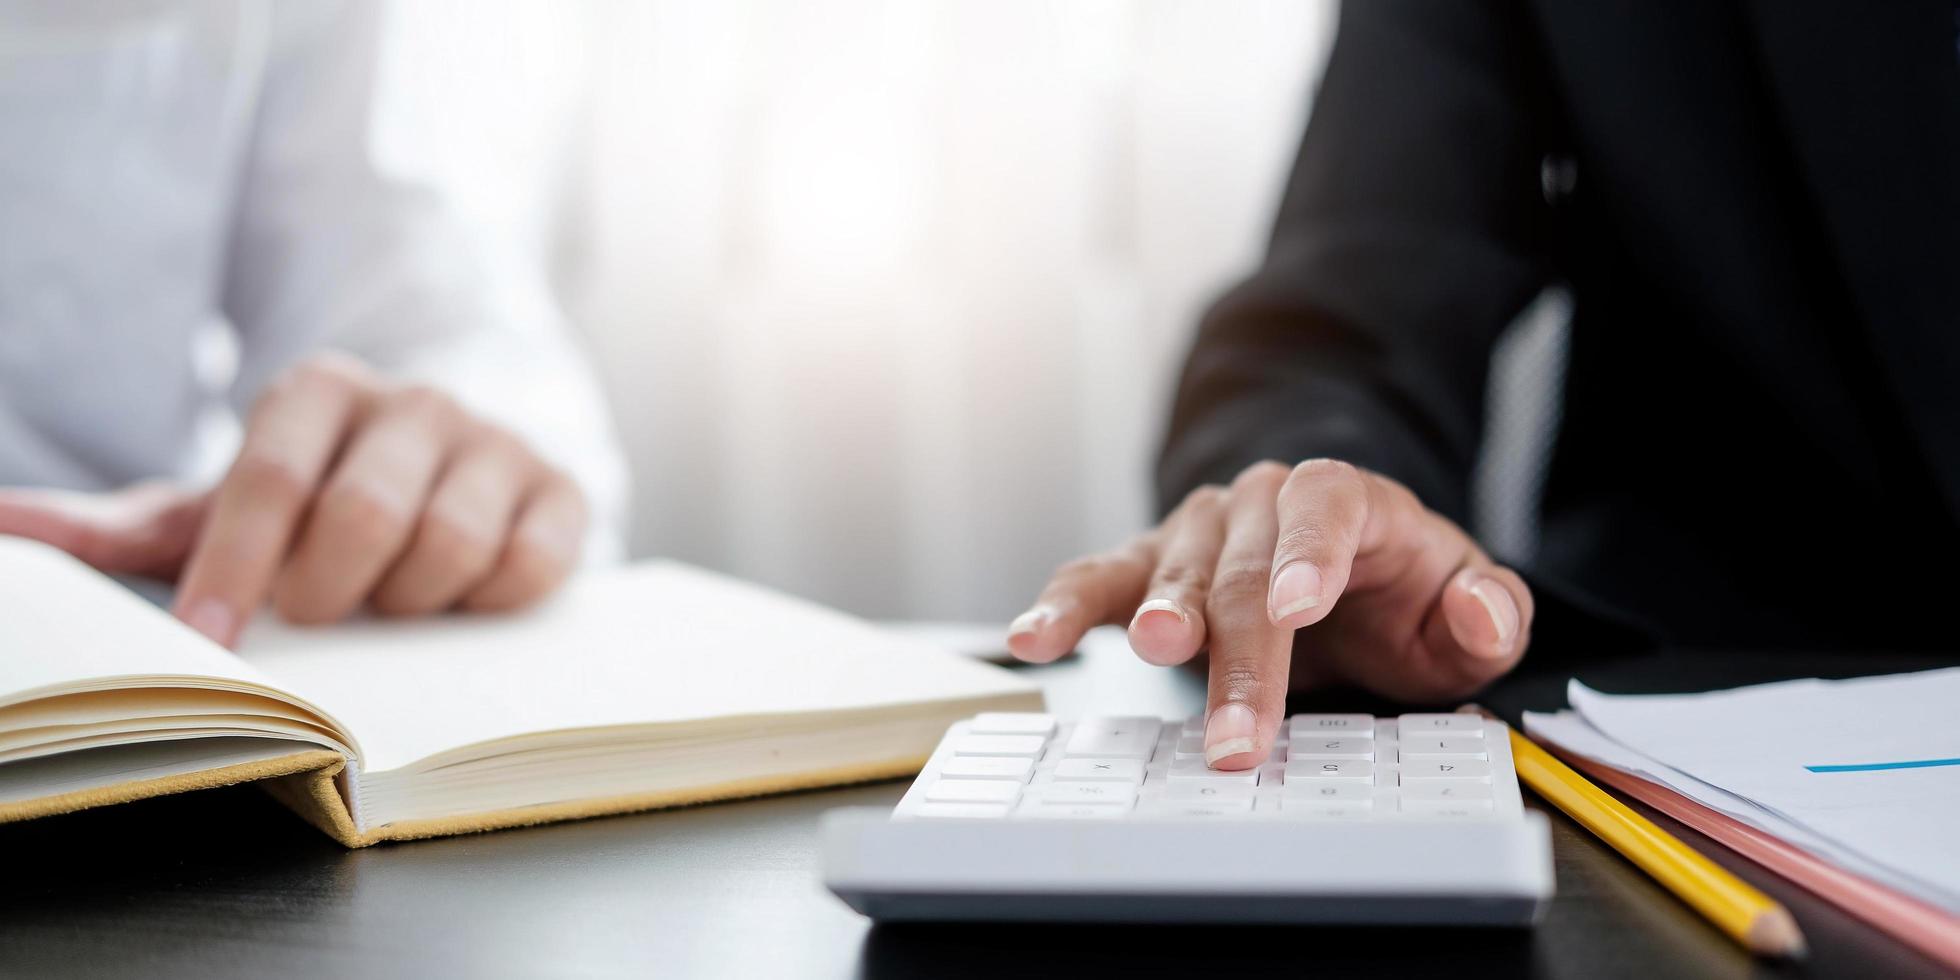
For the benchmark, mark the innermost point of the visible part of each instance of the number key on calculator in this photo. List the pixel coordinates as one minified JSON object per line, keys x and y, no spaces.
{"x":1352,"y":818}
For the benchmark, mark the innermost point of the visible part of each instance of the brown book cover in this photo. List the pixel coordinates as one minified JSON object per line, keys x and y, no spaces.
{"x":637,"y":688}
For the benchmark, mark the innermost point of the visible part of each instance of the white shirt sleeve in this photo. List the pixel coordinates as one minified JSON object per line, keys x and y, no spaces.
{"x":329,"y":251}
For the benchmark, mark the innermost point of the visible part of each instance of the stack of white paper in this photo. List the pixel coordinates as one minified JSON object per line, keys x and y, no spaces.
{"x":1863,"y":773}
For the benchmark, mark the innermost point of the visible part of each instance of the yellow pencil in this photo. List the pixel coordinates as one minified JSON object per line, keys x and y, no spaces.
{"x":1754,"y":919}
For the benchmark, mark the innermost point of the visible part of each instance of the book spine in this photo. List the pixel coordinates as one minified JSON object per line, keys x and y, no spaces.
{"x":318,"y":798}
{"x":297,"y":765}
{"x":350,"y":788}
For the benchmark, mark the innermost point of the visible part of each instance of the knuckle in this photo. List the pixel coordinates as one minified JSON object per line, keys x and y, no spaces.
{"x":1137,"y":554}
{"x":270,"y":476}
{"x":425,"y":401}
{"x":449,"y":542}
{"x":326,"y":373}
{"x":494,"y":441}
{"x":1178,"y":575}
{"x":302,"y":597}
{"x":1265,"y":473}
{"x":1304,"y":540}
{"x":391,"y":601}
{"x":1095,"y":566}
{"x":531,"y":569}
{"x":1240,"y":682}
{"x":1239,"y":581}
{"x":330,"y":370}
{"x":302,"y":610}
{"x":1208,"y":497}
{"x":292,"y":607}
{"x":361,"y":513}
{"x":1328,"y":470}
{"x":561,"y":483}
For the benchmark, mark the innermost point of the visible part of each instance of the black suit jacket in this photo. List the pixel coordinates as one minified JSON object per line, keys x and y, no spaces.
{"x":1761,"y":437}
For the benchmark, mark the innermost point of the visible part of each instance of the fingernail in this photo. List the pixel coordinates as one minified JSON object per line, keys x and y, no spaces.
{"x":1160,"y":606}
{"x":1030,"y":621}
{"x":1231,"y":731}
{"x":1296,"y":588}
{"x":1502,"y":609}
{"x":212,"y":618}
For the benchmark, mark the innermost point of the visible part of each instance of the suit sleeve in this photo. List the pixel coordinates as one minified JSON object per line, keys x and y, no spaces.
{"x":1412,"y":231}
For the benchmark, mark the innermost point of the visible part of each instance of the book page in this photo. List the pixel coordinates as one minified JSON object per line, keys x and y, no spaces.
{"x":657,"y":642}
{"x":75,"y":772}
{"x":63,"y":625}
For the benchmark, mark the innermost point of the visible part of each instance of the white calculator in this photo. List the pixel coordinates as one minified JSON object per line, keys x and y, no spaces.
{"x":1352,"y":819}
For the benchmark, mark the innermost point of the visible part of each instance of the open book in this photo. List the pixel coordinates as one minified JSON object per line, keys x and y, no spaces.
{"x":649,"y":686}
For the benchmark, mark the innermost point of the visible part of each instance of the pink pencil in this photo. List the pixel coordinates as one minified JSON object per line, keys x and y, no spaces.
{"x":1930,"y":930}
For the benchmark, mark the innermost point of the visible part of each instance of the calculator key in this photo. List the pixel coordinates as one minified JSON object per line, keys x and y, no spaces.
{"x":1451,"y":809}
{"x":1111,"y":793}
{"x":1413,"y":726}
{"x":1012,"y":723}
{"x":1346,"y":769}
{"x":1099,"y":770}
{"x":1328,"y":791}
{"x":1445,"y":769}
{"x":973,"y":791}
{"x":1072,"y":811}
{"x":1320,"y":747}
{"x":1355,"y":726}
{"x":1114,"y":738}
{"x":1447,"y":790}
{"x":1025,"y":746}
{"x":983,"y":811}
{"x":1294,"y":806}
{"x":1195,"y":770}
{"x":1431,"y":747}
{"x":1190,"y":746}
{"x":1193,"y":727}
{"x":1016,"y":768}
{"x":1200,"y":809}
{"x":1209,"y":789}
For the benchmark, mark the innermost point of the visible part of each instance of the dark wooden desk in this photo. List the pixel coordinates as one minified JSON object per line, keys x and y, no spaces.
{"x":226,"y":883}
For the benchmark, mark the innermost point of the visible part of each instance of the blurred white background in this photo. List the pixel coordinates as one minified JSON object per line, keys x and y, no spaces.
{"x":888,"y":294}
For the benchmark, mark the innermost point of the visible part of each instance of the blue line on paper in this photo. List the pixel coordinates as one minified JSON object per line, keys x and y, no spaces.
{"x":1871,"y":766}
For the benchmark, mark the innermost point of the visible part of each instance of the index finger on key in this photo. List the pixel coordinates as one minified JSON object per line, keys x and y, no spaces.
{"x":292,"y":436}
{"x":1246,"y":694}
{"x":1084,"y":593}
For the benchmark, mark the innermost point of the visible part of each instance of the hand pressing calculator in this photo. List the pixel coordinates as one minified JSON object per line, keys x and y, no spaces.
{"x":1352,"y":819}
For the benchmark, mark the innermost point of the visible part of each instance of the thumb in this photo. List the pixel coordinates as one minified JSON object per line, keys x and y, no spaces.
{"x":144,"y":529}
{"x":1479,"y":626}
